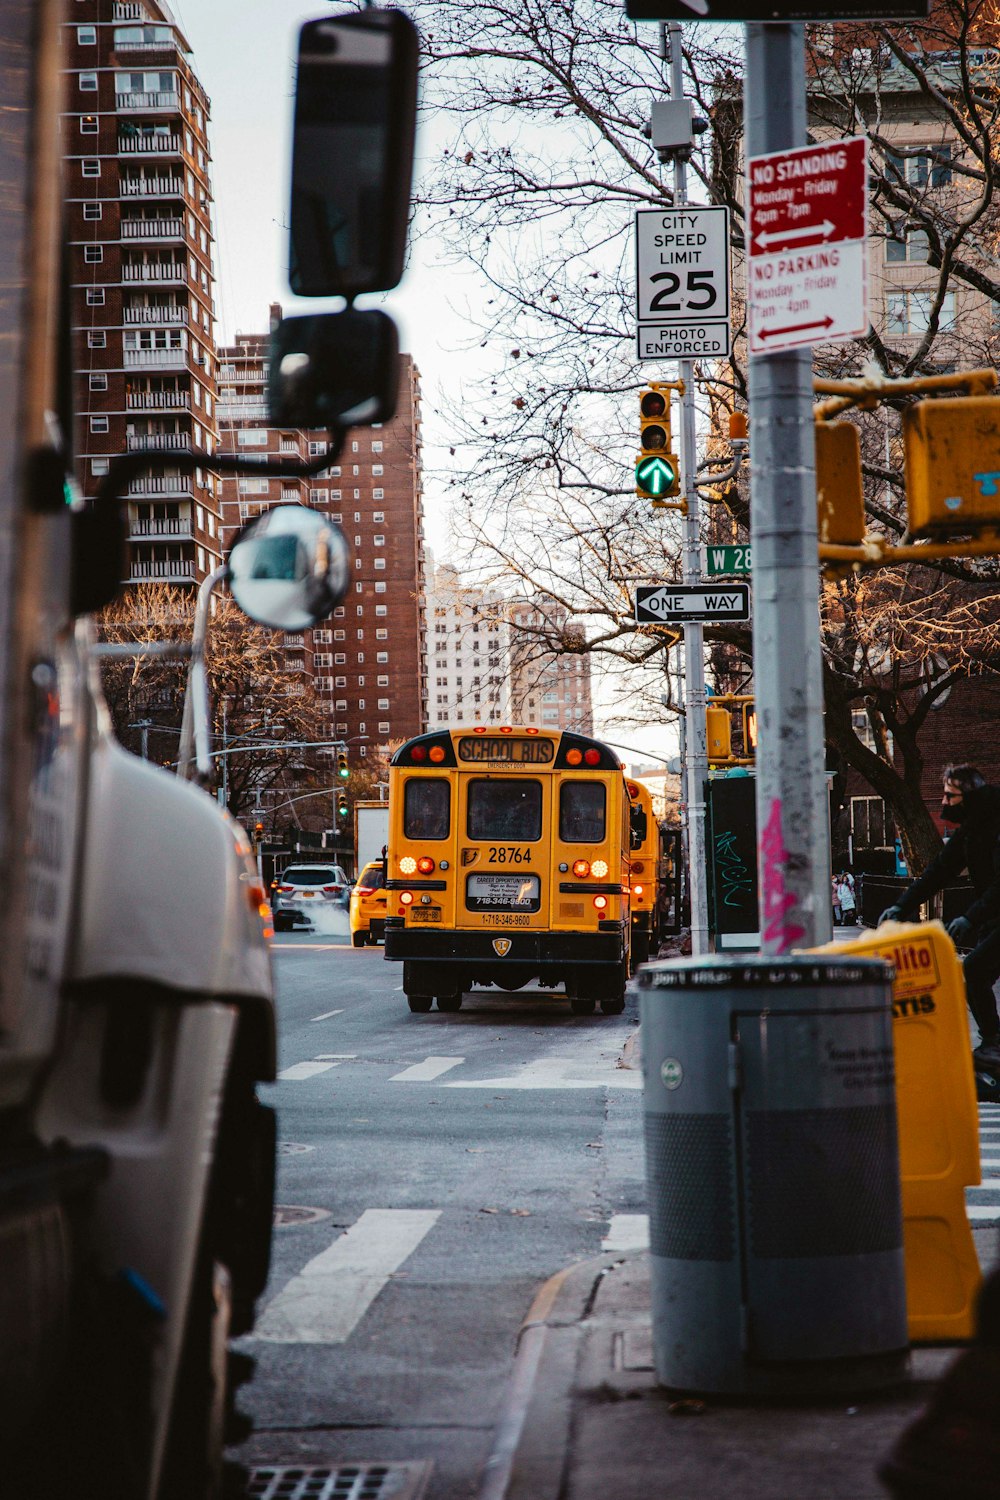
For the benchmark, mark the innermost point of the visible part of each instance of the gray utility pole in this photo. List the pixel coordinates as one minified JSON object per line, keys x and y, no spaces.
{"x":793,"y":853}
{"x":696,"y":750}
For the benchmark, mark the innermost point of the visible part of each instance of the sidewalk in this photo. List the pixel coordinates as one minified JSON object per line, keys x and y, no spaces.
{"x":584,"y":1418}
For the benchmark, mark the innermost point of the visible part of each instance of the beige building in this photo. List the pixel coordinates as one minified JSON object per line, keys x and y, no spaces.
{"x":550,"y":689}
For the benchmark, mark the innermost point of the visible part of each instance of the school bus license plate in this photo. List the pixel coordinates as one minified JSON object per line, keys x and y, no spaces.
{"x":425,"y":913}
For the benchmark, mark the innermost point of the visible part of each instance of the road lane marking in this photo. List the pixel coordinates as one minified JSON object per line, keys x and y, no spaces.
{"x":558,"y":1073}
{"x":326,"y":1301}
{"x":426,"y":1071}
{"x":627,"y":1232}
{"x":327,"y":1014}
{"x":983,"y":1214}
{"x":302,"y":1070}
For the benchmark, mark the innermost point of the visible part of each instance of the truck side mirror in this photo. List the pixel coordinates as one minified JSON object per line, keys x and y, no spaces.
{"x":333,"y":370}
{"x":288,"y":568}
{"x":352,"y":153}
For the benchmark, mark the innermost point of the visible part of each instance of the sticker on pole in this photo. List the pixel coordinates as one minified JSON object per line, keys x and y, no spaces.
{"x":807,"y":233}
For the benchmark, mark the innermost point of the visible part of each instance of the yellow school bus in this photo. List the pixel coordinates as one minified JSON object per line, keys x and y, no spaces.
{"x":644,"y":873}
{"x":508,"y":862}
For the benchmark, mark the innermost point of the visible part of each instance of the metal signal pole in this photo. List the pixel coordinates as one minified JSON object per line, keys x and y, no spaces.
{"x":696,"y":758}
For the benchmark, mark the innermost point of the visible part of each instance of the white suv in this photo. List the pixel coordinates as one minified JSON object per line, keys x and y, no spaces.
{"x":304,"y":888}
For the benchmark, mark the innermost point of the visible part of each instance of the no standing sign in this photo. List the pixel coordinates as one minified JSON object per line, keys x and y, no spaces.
{"x":808,"y":236}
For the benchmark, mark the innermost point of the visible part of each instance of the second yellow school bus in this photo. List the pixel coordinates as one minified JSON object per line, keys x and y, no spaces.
{"x":644,"y":871}
{"x":508,"y":861}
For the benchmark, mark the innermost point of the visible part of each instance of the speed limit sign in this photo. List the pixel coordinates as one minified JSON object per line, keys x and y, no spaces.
{"x":682,"y":281}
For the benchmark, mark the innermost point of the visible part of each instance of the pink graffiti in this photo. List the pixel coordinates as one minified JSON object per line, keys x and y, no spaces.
{"x":774,"y":856}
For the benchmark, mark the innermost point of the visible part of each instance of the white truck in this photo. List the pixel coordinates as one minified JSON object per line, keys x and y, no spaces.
{"x":136,"y":1007}
{"x":371,"y":832}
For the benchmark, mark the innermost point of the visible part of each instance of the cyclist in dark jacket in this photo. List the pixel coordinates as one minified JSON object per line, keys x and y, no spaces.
{"x":974,"y":808}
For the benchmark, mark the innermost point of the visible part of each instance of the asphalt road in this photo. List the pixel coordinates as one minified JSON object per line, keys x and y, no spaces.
{"x":435,"y":1170}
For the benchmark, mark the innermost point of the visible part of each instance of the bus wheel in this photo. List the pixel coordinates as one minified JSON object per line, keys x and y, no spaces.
{"x":449,"y":1002}
{"x":359,"y":939}
{"x":420,"y":1002}
{"x":613,"y":1006}
{"x":582,"y":1005}
{"x":640,"y":950}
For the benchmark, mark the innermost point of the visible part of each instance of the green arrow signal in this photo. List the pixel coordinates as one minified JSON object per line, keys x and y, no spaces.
{"x":655,"y":476}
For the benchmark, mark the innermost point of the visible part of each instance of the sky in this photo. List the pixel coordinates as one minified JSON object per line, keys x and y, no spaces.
{"x":244,"y":57}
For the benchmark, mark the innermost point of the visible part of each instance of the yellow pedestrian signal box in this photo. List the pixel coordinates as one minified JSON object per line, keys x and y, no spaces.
{"x":749,"y":729}
{"x":839,"y":495}
{"x":719,"y":734}
{"x":951,"y":451}
{"x":938,"y":1123}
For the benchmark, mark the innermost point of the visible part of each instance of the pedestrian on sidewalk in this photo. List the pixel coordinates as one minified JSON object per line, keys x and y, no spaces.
{"x":848,"y":904}
{"x":974,"y":808}
{"x":835,"y":897}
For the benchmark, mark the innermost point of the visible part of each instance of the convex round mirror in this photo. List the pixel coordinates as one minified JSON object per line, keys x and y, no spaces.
{"x":289,"y":568}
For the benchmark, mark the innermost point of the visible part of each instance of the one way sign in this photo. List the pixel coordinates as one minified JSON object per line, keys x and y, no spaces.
{"x":692,"y":604}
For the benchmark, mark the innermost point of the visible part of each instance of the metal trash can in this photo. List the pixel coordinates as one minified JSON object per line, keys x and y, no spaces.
{"x":772,"y":1168}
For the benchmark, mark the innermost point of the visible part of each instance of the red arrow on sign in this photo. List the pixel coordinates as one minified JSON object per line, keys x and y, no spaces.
{"x":770,"y":333}
{"x":780,"y":236}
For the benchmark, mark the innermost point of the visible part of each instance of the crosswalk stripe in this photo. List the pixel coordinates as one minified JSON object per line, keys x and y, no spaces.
{"x":327,"y":1014}
{"x":302,"y":1070}
{"x":981,"y":1213}
{"x":426,"y":1071}
{"x":627,"y":1232}
{"x":557,"y":1073}
{"x":324,"y":1303}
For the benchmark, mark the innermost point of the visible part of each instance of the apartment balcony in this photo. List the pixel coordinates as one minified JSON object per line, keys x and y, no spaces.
{"x":151,"y":187}
{"x":150,"y":271}
{"x":128,"y":10}
{"x":163,"y":526}
{"x":155,"y":359}
{"x":147,"y":143}
{"x":148,"y":99}
{"x":158,"y":400}
{"x":152,"y":229}
{"x":155,"y":315}
{"x":156,"y":486}
{"x":241,"y":411}
{"x":170,"y":570}
{"x":166,"y":442}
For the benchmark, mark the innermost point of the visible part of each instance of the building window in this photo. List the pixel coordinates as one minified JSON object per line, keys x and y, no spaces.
{"x":383,"y":703}
{"x":340,"y":659}
{"x":88,"y":125}
{"x":90,"y":167}
{"x":378,"y":517}
{"x":378,"y":494}
{"x":379,"y":588}
{"x":908,"y":244}
{"x":97,"y":339}
{"x":382,"y":656}
{"x":316,"y":448}
{"x":99,"y":465}
{"x":382,"y":681}
{"x":931,"y":166}
{"x":98,"y":424}
{"x":98,"y":382}
{"x":86,"y":36}
{"x":87,"y":83}
{"x":381,"y":609}
{"x":340,"y":682}
{"x":340,"y":635}
{"x":909,"y":312}
{"x":382,"y":635}
{"x":95,"y":296}
{"x":376,"y":445}
{"x":383,"y":728}
{"x":379,"y":564}
{"x":93,"y":210}
{"x":93,"y":254}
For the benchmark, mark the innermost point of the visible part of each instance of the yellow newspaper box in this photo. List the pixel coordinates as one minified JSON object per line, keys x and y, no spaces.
{"x":938,"y":1124}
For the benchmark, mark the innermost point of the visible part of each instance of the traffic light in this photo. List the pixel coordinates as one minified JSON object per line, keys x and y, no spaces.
{"x":258,"y":835}
{"x":718,"y":734}
{"x":749,"y":730}
{"x":341,"y":804}
{"x":343,"y":769}
{"x":839,"y":496}
{"x":952,"y":459}
{"x":657,"y":470}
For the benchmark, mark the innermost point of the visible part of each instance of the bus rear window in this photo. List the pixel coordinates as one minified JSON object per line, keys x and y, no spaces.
{"x":426,"y":808}
{"x":581,"y":812}
{"x":505,"y":810}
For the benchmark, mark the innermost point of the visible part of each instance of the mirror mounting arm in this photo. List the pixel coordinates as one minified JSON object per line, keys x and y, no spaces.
{"x":100,"y":535}
{"x":194,"y":759}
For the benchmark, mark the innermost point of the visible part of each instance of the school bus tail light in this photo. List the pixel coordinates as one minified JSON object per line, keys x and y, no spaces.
{"x":581,"y":868}
{"x":425,"y":864}
{"x":600,"y":902}
{"x":406,"y":898}
{"x":637,"y":890}
{"x":407,"y":865}
{"x":600,"y":868}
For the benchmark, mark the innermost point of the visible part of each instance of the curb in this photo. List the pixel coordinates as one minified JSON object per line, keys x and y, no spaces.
{"x":531,"y":1441}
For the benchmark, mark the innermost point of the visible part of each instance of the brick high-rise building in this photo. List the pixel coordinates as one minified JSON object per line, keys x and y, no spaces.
{"x":369,"y":661}
{"x":138,"y":198}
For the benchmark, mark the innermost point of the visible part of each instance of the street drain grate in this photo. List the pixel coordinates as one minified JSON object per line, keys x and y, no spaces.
{"x":286,"y":1214}
{"x":404,"y":1481}
{"x":293,"y":1148}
